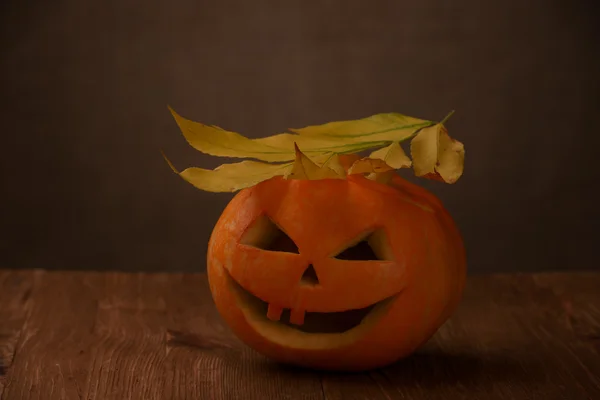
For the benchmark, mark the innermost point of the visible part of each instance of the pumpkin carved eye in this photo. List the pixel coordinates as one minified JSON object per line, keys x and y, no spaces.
{"x":373,"y":246}
{"x":264,"y":234}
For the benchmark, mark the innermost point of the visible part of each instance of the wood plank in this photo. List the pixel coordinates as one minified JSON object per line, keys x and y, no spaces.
{"x":98,"y":336}
{"x":505,"y":341}
{"x":15,"y":292}
{"x":212,"y":355}
{"x":118,"y":336}
{"x":578,"y":302}
{"x":353,"y":386}
{"x":52,"y":353}
{"x":129,"y":328}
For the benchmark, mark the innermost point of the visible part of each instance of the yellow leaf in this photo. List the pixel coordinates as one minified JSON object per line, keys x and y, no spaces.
{"x":436,"y":155}
{"x":346,"y":160}
{"x":219,"y":142}
{"x":216,"y":141}
{"x":305,"y":168}
{"x":316,"y":145}
{"x":287,"y":140}
{"x":231,"y":177}
{"x":378,"y":127}
{"x":393,"y":155}
{"x":333,"y":162}
{"x":329,"y":151}
{"x":369,"y":165}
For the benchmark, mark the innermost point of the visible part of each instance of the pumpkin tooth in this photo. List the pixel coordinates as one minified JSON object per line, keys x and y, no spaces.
{"x":297,"y":316}
{"x":274,"y":312}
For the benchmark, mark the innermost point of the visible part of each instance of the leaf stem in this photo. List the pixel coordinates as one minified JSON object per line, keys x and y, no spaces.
{"x":447,"y":117}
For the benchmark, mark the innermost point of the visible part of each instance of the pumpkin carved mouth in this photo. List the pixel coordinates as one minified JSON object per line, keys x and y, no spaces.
{"x":318,"y":330}
{"x":305,"y":321}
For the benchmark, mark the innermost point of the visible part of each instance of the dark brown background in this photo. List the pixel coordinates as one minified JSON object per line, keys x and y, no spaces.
{"x":85,"y":87}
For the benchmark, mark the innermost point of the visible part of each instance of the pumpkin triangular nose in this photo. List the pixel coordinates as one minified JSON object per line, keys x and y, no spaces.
{"x":309,"y":277}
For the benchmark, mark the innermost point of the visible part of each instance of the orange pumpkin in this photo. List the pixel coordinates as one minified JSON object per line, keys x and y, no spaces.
{"x":313,"y":263}
{"x":345,"y":274}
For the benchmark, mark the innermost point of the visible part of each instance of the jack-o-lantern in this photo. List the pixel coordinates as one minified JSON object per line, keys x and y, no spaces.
{"x":328,"y":268}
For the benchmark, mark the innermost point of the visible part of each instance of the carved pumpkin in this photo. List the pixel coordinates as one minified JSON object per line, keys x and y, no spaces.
{"x":325,"y":266}
{"x":337,"y":274}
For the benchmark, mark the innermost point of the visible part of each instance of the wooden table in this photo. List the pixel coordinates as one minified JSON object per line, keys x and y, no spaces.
{"x":82,"y":335}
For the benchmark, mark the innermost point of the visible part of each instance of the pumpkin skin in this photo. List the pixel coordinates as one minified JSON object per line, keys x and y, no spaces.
{"x":415,"y":283}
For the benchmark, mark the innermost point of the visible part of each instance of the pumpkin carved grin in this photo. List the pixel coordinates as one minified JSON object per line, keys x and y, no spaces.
{"x":318,"y":329}
{"x":310,"y":322}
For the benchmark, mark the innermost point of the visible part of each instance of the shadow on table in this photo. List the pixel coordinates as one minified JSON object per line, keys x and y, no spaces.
{"x":434,"y":367}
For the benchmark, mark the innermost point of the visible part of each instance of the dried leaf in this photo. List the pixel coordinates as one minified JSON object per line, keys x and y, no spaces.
{"x":216,"y":141}
{"x":231,"y":177}
{"x":316,"y":145}
{"x":368,"y":166}
{"x":334,"y":162}
{"x":308,"y":144}
{"x":379,"y":127}
{"x":329,"y":151}
{"x":346,"y":160}
{"x":219,"y":142}
{"x":436,"y":155}
{"x":305,"y":168}
{"x":393,"y":155}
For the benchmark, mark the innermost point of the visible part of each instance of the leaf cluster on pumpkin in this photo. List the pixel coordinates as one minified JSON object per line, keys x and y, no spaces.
{"x":317,"y":152}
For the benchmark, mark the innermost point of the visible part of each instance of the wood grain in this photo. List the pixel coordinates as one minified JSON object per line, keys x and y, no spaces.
{"x":96,"y":336}
{"x":15,"y":291}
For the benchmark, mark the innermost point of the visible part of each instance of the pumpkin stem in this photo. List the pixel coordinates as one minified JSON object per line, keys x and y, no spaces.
{"x":382,"y":177}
